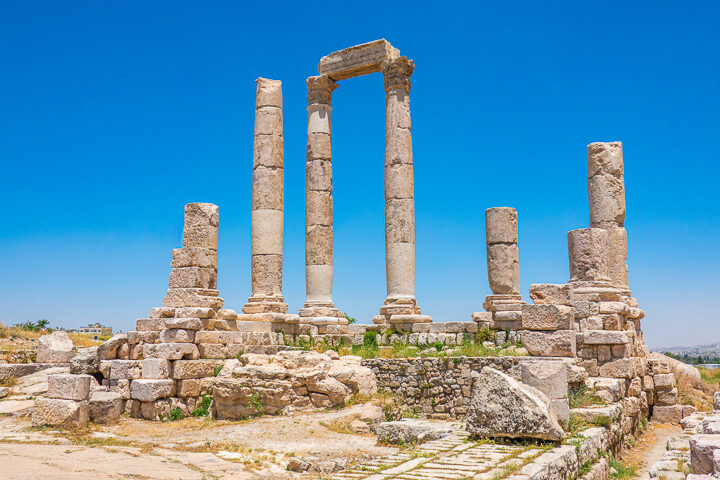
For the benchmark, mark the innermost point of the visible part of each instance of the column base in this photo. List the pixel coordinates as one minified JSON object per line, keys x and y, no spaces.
{"x":265,"y":304}
{"x":401,"y":312}
{"x":503,"y":302}
{"x":327,"y":318}
{"x":595,"y":291}
{"x":506,"y":311}
{"x":273,"y":317}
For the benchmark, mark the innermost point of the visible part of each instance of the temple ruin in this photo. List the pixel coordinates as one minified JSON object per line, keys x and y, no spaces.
{"x":586,"y":332}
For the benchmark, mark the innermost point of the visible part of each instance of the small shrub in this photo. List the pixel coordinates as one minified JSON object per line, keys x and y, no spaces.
{"x":602,"y":421}
{"x":256,"y":404}
{"x":240,"y":354}
{"x":217,"y":369}
{"x":202,"y":409}
{"x":582,"y":397}
{"x":438,"y":346}
{"x":621,"y":471}
{"x":350,"y":319}
{"x":370,"y":339}
{"x":176,"y":414}
{"x":485,"y":335}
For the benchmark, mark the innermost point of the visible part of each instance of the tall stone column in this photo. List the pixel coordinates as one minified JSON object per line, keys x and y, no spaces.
{"x":400,"y":306}
{"x":267,"y":205}
{"x":503,"y":266}
{"x":606,"y":189}
{"x":319,"y":308}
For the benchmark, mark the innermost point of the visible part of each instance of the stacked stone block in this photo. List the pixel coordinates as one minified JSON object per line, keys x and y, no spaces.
{"x":66,"y":403}
{"x":504,"y":306}
{"x":266,"y":302}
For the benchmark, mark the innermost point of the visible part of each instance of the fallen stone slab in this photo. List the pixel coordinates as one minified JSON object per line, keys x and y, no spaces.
{"x":17,"y":370}
{"x":11,"y":406}
{"x":589,"y":414}
{"x":702,"y":448}
{"x":411,"y":431}
{"x":503,"y":407}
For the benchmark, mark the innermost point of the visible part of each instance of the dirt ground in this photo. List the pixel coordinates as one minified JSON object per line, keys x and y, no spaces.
{"x":186,"y":449}
{"x":650,"y":447}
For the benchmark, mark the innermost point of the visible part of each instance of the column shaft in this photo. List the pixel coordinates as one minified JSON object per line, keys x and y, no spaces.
{"x":267,"y":201}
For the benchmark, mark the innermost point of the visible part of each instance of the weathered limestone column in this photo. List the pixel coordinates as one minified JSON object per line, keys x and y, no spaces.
{"x":267,"y":205}
{"x":193,"y":277}
{"x":503,"y":266}
{"x":587,"y":248}
{"x":319,"y":308}
{"x":606,"y":190}
{"x":400,"y":305}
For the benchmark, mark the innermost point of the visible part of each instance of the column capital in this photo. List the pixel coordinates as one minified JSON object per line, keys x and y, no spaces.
{"x":397,"y":73}
{"x":320,"y":88}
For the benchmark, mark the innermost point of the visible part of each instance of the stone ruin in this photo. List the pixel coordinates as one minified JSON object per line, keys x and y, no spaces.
{"x":587,"y":331}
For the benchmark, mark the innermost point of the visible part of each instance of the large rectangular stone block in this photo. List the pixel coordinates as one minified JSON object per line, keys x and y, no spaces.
{"x":183,"y":323}
{"x":149,"y":324}
{"x":147,"y":390}
{"x":69,"y":387}
{"x":60,"y":413}
{"x":204,"y":237}
{"x":155,"y":368}
{"x":543,"y":293}
{"x":171,"y":351}
{"x":604,"y":337}
{"x":560,"y":343}
{"x":201,"y":215}
{"x":177,"y":335}
{"x":183,"y":369}
{"x":192,"y":297}
{"x":547,"y":317}
{"x":357,"y":60}
{"x":621,"y":368}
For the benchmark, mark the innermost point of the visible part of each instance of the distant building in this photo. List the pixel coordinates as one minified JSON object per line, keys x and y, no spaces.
{"x":96,"y":329}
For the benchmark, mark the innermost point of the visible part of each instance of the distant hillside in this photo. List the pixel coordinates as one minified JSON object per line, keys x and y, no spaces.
{"x":708,"y":353}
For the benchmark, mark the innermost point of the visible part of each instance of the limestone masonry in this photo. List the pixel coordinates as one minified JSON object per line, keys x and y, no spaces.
{"x":192,"y":353}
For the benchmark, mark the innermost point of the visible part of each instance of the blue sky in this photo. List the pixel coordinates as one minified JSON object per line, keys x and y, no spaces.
{"x":114,"y":115}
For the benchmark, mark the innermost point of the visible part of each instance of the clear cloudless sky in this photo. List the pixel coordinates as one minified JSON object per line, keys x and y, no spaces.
{"x":113,"y":115}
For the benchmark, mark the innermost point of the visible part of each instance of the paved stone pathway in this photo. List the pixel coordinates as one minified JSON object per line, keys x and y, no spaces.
{"x":451,"y":458}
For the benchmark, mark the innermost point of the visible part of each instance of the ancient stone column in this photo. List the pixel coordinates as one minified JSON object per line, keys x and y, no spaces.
{"x":503,"y":267}
{"x":501,"y":237}
{"x":193,"y":277}
{"x":606,"y":190}
{"x":587,"y":248}
{"x":400,"y":305}
{"x":319,"y":307}
{"x":267,"y":204}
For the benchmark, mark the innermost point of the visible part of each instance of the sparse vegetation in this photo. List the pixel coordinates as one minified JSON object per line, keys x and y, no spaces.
{"x":203,"y":406}
{"x":621,"y":471}
{"x":8,"y":382}
{"x":176,"y":414}
{"x":583,"y":397}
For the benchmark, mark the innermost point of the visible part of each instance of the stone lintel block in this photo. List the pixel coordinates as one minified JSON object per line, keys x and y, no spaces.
{"x":201,"y":215}
{"x":607,"y":200}
{"x":267,"y":188}
{"x":155,"y":368}
{"x":588,"y":255}
{"x":162,"y":312}
{"x":268,"y":151}
{"x":605,"y":158}
{"x":558,"y":294}
{"x":149,"y":390}
{"x":192,"y":297}
{"x":399,"y":181}
{"x":621,"y":368}
{"x":503,"y":268}
{"x":547,"y":317}
{"x":183,"y":323}
{"x":60,"y":413}
{"x":482,"y":317}
{"x":319,"y":146}
{"x":400,"y":220}
{"x":193,"y":277}
{"x":177,"y":335}
{"x":268,"y":121}
{"x":183,"y":369}
{"x":69,"y":387}
{"x":214,"y":336}
{"x":318,"y":175}
{"x":194,"y":257}
{"x":204,"y":237}
{"x":171,"y":351}
{"x":318,"y":208}
{"x":398,"y":147}
{"x":560,"y":343}
{"x":357,"y":60}
{"x":268,"y":93}
{"x":319,"y":245}
{"x":149,"y":324}
{"x":501,"y":225}
{"x":604,"y":337}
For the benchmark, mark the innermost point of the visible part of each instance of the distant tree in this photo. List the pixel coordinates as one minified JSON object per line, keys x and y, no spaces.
{"x":42,"y":324}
